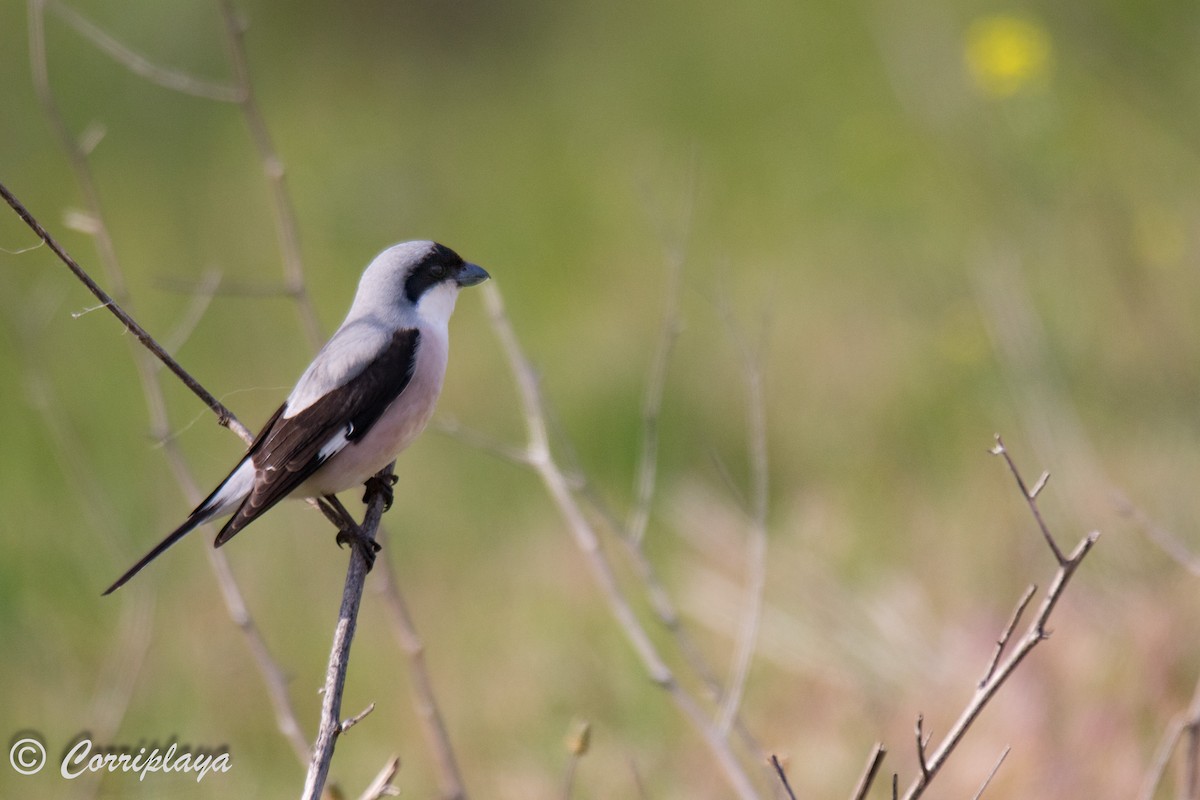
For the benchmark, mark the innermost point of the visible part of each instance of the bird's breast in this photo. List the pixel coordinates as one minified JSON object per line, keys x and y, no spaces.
{"x":401,"y":423}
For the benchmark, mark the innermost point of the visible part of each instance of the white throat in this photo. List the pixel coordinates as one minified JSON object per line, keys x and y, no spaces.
{"x":437,"y":304}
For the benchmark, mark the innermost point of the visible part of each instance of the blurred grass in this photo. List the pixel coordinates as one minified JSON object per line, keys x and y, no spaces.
{"x":937,"y":258}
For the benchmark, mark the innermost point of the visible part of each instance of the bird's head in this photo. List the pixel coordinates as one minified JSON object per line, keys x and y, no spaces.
{"x":417,"y":278}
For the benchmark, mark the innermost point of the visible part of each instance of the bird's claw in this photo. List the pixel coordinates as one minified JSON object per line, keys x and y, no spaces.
{"x":366,"y":547}
{"x":381,"y":485}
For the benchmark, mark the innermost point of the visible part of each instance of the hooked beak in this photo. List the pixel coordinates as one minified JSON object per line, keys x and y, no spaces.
{"x":471,"y":274}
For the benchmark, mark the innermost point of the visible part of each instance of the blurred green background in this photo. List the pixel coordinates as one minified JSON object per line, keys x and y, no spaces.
{"x":943,"y":221}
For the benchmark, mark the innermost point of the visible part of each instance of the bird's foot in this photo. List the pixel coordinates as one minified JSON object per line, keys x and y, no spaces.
{"x":366,"y":547}
{"x":381,"y":485}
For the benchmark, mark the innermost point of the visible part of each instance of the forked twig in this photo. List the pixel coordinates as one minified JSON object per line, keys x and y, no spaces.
{"x":1030,"y":496}
{"x":1002,"y":642}
{"x":1035,"y":633}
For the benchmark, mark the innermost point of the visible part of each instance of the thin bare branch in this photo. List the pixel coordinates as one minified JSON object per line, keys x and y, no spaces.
{"x":1184,"y":727}
{"x":424,"y":699}
{"x":782,"y":775}
{"x":647,"y":471}
{"x":922,"y":743}
{"x":1030,"y":497}
{"x":281,"y":203}
{"x":1162,"y":757}
{"x":586,"y":538}
{"x":118,"y":675}
{"x":1167,"y":541}
{"x":349,"y":723}
{"x":1002,"y":642}
{"x":288,"y":240}
{"x":481,"y":441}
{"x":382,"y":785}
{"x":868,"y":775}
{"x":200,"y":301}
{"x":756,"y":546}
{"x":140,"y":65}
{"x":1034,"y":634}
{"x":992,"y":774}
{"x":273,"y":675}
{"x":339,"y":655}
{"x":225,"y":417}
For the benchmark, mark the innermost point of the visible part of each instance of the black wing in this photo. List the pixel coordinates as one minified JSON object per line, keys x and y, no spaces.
{"x":288,"y":450}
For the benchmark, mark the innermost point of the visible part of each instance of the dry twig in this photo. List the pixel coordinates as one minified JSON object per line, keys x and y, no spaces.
{"x":424,"y":699}
{"x":241,"y":94}
{"x":555,"y":481}
{"x":382,"y":785}
{"x":1035,"y":633}
{"x":782,"y":775}
{"x":331,"y":725}
{"x":992,"y":774}
{"x":868,"y":776}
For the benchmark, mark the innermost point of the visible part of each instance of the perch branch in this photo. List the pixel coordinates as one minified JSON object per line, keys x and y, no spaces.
{"x":331,"y":725}
{"x":273,"y":676}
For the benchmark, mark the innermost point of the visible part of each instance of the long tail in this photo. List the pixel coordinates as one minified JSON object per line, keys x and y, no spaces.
{"x":194,"y":519}
{"x":232,"y":491}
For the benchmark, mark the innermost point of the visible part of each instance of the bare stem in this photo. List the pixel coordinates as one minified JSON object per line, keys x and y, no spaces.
{"x":331,"y":725}
{"x":996,"y":676}
{"x":1030,"y":497}
{"x":868,"y":776}
{"x":286,"y":230}
{"x":225,"y":417}
{"x":424,"y":699}
{"x":1015,"y":620}
{"x":782,"y":775}
{"x":586,"y":538}
{"x":992,"y":774}
{"x":922,"y":743}
{"x":756,"y":550}
{"x":140,"y":65}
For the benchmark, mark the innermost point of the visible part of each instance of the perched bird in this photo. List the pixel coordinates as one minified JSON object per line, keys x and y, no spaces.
{"x":365,"y":397}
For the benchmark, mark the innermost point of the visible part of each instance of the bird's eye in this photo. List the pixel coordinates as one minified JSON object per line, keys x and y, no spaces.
{"x":437,"y":271}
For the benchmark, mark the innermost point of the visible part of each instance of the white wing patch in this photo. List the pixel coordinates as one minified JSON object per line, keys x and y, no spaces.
{"x":233,"y":491}
{"x":334,"y":445}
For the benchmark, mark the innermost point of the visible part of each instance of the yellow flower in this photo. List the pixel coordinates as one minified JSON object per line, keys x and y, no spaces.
{"x":1007,"y":53}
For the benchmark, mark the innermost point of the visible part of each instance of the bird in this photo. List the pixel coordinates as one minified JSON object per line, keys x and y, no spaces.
{"x":366,"y":396}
